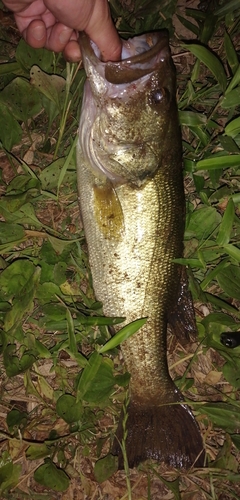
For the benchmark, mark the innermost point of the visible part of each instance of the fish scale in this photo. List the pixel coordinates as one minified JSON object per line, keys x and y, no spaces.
{"x":132,"y":203}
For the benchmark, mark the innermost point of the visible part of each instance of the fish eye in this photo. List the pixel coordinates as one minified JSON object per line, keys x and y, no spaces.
{"x":160,"y":95}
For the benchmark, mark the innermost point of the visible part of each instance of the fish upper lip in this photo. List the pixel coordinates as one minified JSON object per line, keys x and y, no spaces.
{"x":131,"y":68}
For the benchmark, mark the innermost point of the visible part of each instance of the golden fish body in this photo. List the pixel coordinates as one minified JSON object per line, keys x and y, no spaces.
{"x":132,"y":204}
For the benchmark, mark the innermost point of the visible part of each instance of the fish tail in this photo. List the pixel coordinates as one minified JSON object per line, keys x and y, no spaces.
{"x":167,"y":433}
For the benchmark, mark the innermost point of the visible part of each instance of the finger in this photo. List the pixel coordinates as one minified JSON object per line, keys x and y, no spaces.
{"x":107,"y":41}
{"x":58,"y":37}
{"x":36,"y":11}
{"x":92,"y":16}
{"x":36,"y":34}
{"x":17,"y":5}
{"x":72,"y":51}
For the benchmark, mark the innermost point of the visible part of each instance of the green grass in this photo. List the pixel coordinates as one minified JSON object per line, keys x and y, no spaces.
{"x":60,"y":390}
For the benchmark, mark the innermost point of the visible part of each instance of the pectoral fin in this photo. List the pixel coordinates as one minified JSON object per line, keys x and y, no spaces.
{"x":108,"y":211}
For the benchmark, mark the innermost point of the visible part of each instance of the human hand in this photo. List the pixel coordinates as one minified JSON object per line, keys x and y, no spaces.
{"x":55,"y":25}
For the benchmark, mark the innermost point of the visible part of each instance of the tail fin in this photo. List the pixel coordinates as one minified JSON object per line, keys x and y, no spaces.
{"x":166,"y":433}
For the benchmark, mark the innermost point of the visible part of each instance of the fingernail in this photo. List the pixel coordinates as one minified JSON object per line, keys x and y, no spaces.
{"x":64,"y":36}
{"x":38,"y":32}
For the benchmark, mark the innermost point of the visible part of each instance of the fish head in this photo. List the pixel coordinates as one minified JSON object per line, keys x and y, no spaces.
{"x":128,"y":108}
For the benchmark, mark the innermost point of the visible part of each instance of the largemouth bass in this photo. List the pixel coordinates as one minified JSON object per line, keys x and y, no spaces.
{"x":132,"y":203}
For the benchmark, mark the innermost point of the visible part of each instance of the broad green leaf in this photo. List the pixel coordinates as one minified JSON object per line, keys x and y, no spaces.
{"x":230,"y":146}
{"x":226,"y":225}
{"x":173,"y":486}
{"x":13,"y":203}
{"x":192,"y":119}
{"x":23,"y":303}
{"x":216,"y":161}
{"x":213,"y":321}
{"x":37,"y":451}
{"x":69,"y":409}
{"x":233,"y":251}
{"x":59,"y":273}
{"x":234,"y":81}
{"x":123,"y":334}
{"x":221,"y":304}
{"x":203,"y":222}
{"x":105,"y":468}
{"x":225,"y":459}
{"x":222,"y":415}
{"x":228,"y":7}
{"x":9,"y":473}
{"x":236,"y":440}
{"x":232,"y":129}
{"x":21,"y":99}
{"x":10,"y":67}
{"x":11,"y":361}
{"x":16,"y":420}
{"x":89,"y":374}
{"x":10,"y":130}
{"x":54,"y":311}
{"x":49,"y":254}
{"x":5,"y":459}
{"x":209,"y":251}
{"x":47,"y":272}
{"x":10,"y":232}
{"x":69,"y":160}
{"x":231,"y":99}
{"x":201,"y":134}
{"x":211,"y":275}
{"x":231,"y":373}
{"x":26,"y":361}
{"x":229,"y":281}
{"x":97,"y":381}
{"x":52,"y":86}
{"x":81,"y":321}
{"x":26,"y":56}
{"x":59,"y":244}
{"x":77,"y":356}
{"x":14,"y":278}
{"x":49,"y":176}
{"x":23,"y":183}
{"x":15,"y":364}
{"x":44,"y":388}
{"x":102,"y":386}
{"x":71,"y":333}
{"x":51,"y":477}
{"x":47,"y":292}
{"x":197,"y":14}
{"x":25,"y":215}
{"x":123,"y":380}
{"x":190,"y":26}
{"x":211,"y":61}
{"x":232,"y":57}
{"x":52,"y":110}
{"x":42,"y":350}
{"x":208,"y":28}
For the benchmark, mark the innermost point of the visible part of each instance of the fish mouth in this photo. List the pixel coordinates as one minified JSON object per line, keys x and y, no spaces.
{"x":109,"y":104}
{"x":136,"y":61}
